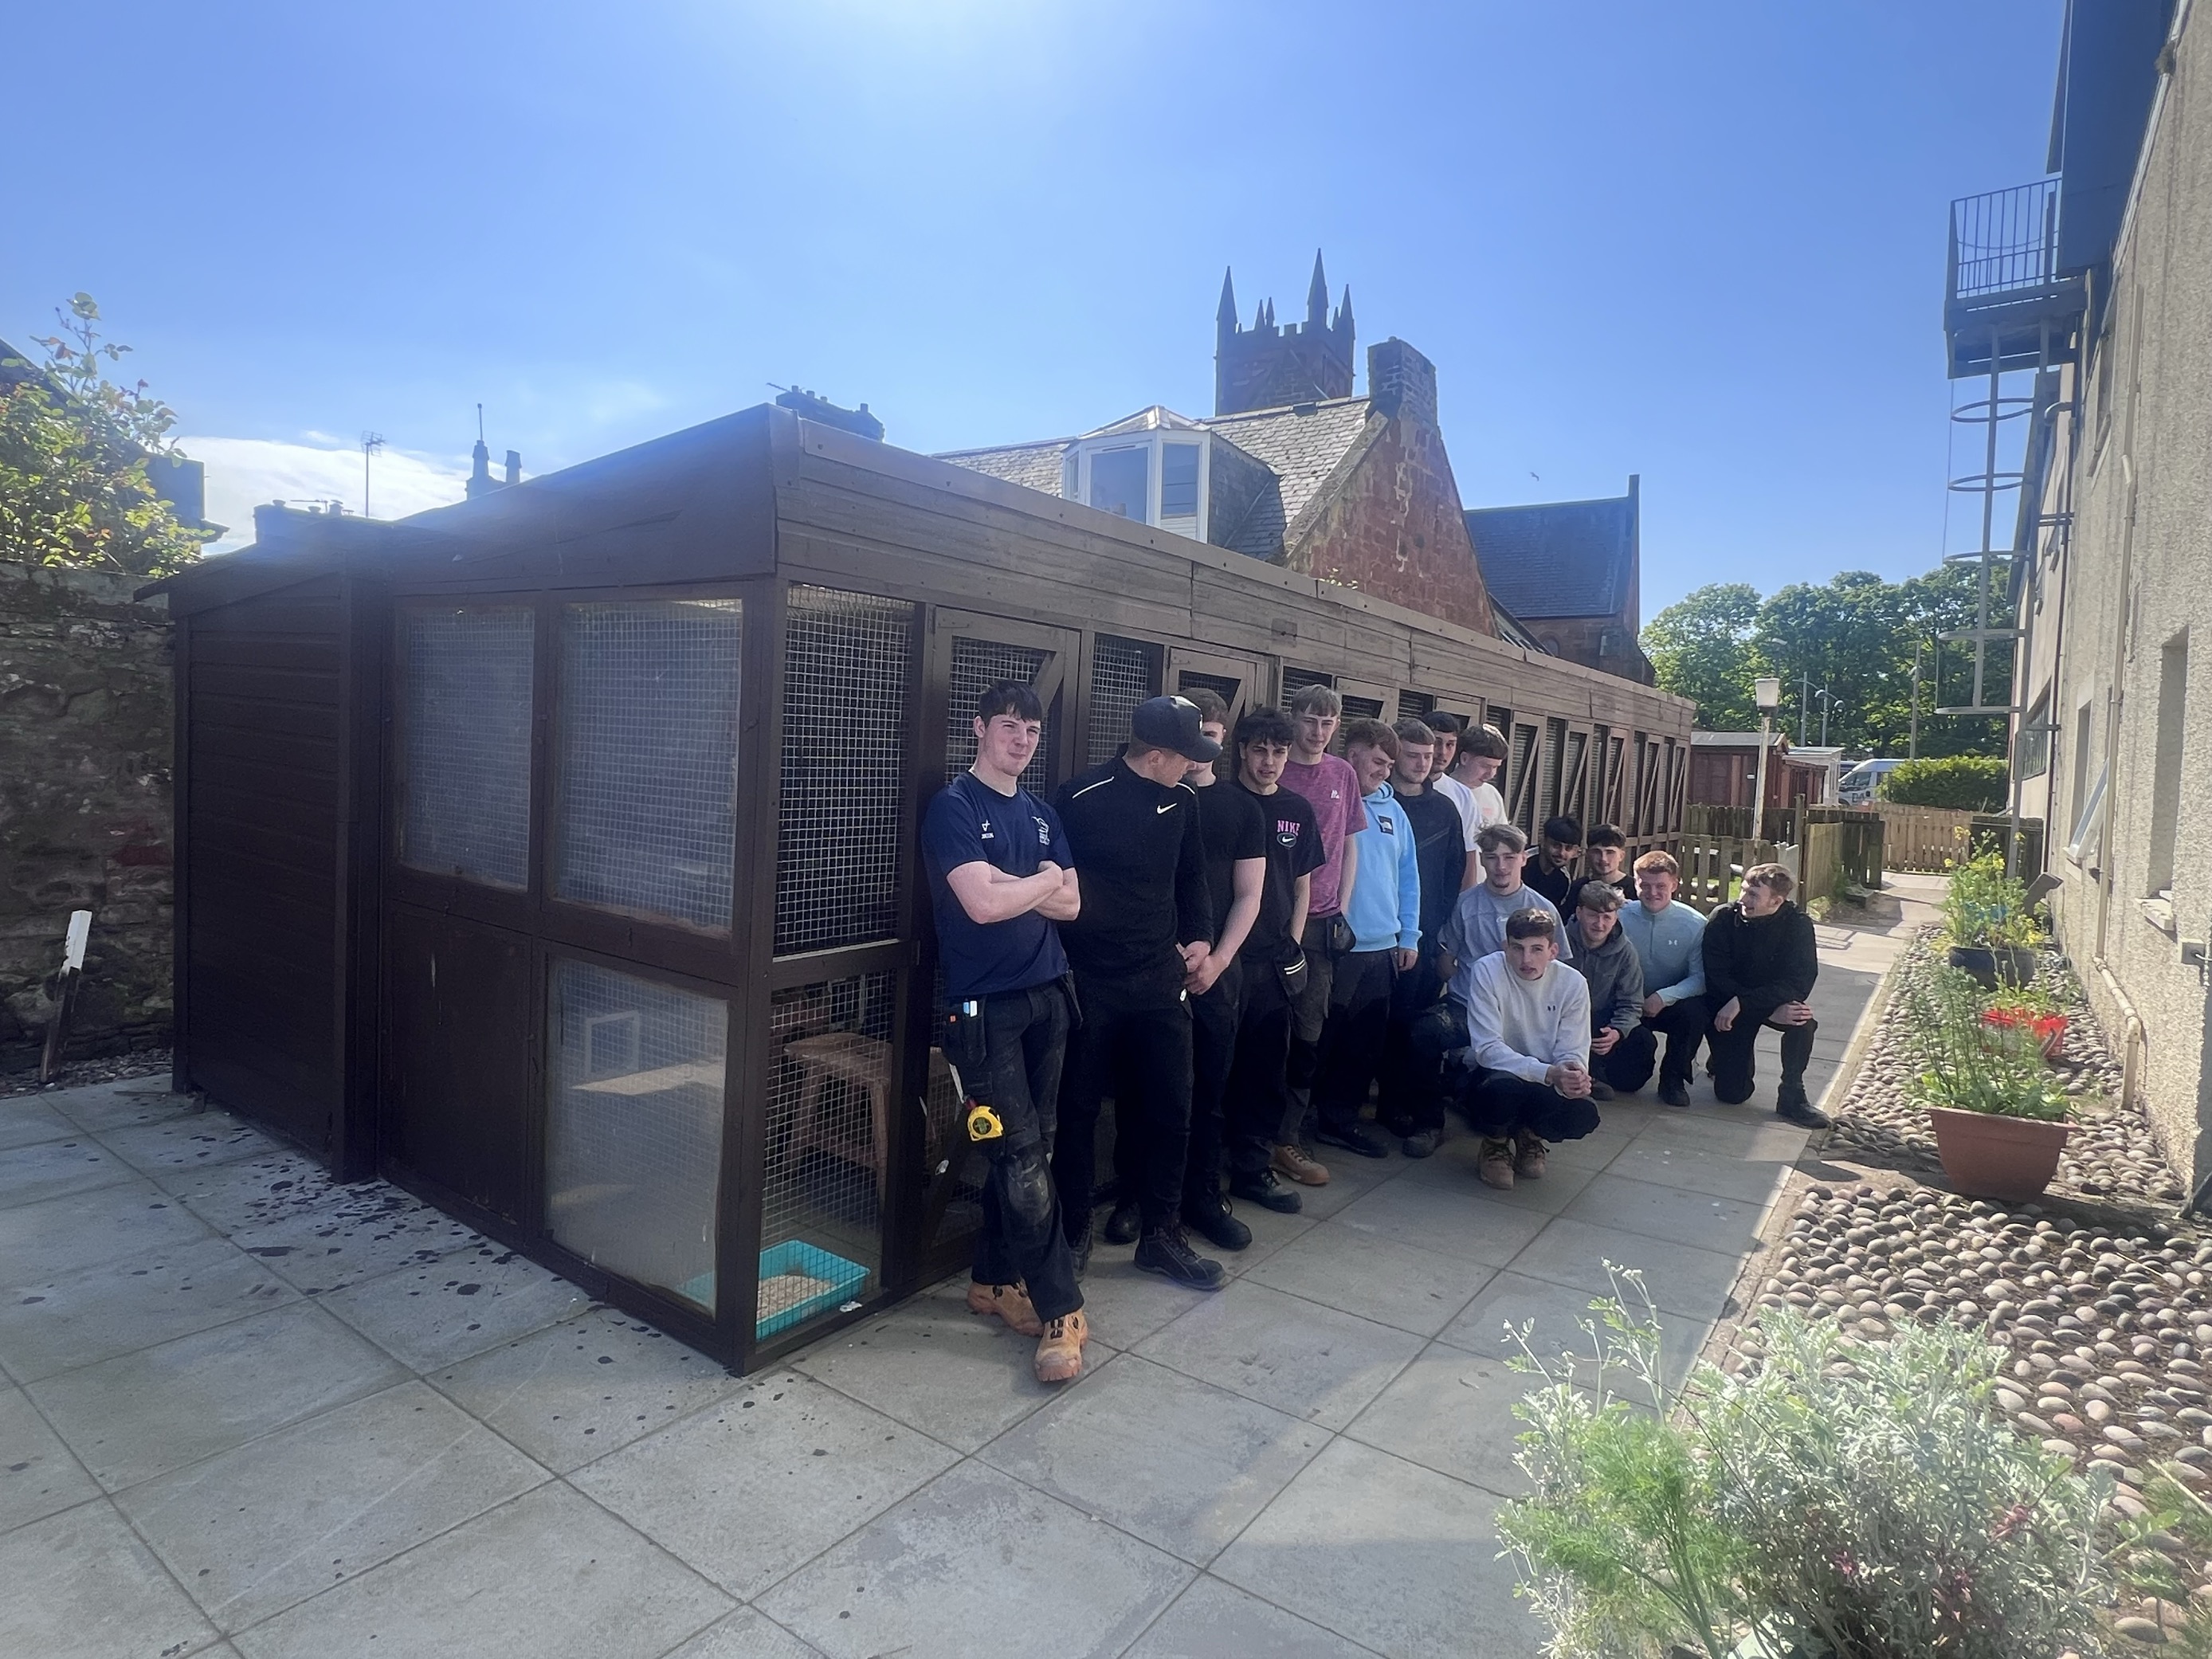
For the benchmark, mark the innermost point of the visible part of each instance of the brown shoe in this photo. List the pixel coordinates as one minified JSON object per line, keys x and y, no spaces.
{"x":1495,"y":1166}
{"x":1060,"y":1355}
{"x":1528,"y":1156}
{"x":1010,"y":1302}
{"x":1294,"y":1163}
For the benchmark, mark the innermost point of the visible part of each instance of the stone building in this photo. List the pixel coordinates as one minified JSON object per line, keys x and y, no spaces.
{"x":2114,"y":736}
{"x":1570,"y":573}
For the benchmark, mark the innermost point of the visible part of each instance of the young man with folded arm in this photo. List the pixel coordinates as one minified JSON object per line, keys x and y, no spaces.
{"x":1621,"y":1045}
{"x":1529,"y":1030}
{"x":1669,"y":937}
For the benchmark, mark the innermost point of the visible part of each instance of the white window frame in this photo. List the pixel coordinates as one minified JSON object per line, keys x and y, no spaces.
{"x":1076,"y":475}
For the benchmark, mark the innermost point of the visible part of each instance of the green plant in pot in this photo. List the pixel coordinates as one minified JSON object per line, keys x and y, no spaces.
{"x":1989,"y":923}
{"x":1998,"y":1115}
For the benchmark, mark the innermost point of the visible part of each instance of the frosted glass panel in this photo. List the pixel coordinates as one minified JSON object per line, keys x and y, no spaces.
{"x":464,"y":741}
{"x":644,"y":818}
{"x":634,"y":1132}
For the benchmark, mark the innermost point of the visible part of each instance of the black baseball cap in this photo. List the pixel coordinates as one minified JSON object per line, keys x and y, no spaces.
{"x":1172,"y":723}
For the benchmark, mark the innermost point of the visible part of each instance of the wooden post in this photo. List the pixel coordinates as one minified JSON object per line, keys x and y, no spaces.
{"x":80,"y":934}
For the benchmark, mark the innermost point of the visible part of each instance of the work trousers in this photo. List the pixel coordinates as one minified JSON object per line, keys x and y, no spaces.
{"x":1351,"y":1041}
{"x":1309,"y":1018}
{"x":1258,"y":1096}
{"x":1734,"y":1065}
{"x":1141,"y":1055}
{"x":1213,"y":1048}
{"x":1009,"y":1059}
{"x":1631,"y":1062}
{"x":1687,"y":1024}
{"x":1501,"y":1105}
{"x":1411,"y":1097}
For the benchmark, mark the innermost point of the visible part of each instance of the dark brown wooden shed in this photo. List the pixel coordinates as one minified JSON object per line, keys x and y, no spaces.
{"x":554,"y":854}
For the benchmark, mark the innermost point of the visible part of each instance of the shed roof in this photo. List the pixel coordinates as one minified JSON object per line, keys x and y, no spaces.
{"x":1557,"y":559}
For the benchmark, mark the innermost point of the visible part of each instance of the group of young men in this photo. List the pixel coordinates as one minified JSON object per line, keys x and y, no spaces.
{"x":1240,"y":937}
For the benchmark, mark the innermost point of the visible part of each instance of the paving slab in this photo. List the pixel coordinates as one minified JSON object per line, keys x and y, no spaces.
{"x":1751,"y":1175}
{"x":79,"y":1584}
{"x":746,"y":1634}
{"x":764,"y":1479}
{"x":50,"y":1169}
{"x":142,"y":1414}
{"x":1682,"y":1278}
{"x":1452,"y":1411}
{"x":1462,"y":1223}
{"x":977,"y":1566}
{"x":39,"y":1476}
{"x":1554,"y":1315}
{"x":1125,"y":1306}
{"x":438,"y":1313}
{"x":258,"y":1528}
{"x":1377,"y":1279}
{"x":1180,"y":1463}
{"x":1215,"y":1620}
{"x":1390,"y":1554}
{"x":1314,"y":1362}
{"x":99,"y":1107}
{"x":549,"y":1575}
{"x":190,"y":1141}
{"x":577,"y":1390}
{"x":25,"y":1120}
{"x":1676,"y":1214}
{"x":62,"y":1235}
{"x":53,"y":1325}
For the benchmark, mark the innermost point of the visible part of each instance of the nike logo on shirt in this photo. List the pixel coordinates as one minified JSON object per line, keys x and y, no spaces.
{"x":1169,"y":807}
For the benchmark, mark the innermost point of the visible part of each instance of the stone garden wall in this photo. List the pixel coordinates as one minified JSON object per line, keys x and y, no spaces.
{"x":84,"y":807}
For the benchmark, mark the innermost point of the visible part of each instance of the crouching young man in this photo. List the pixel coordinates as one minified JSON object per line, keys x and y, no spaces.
{"x":1623,"y":1051}
{"x":1527,"y":1018}
{"x":1669,"y":939}
{"x":1760,"y":962}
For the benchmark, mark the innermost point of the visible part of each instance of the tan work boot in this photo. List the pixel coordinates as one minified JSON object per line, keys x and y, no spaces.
{"x":1010,"y":1303}
{"x":1293,"y":1162}
{"x":1495,"y":1164}
{"x":1060,"y":1354}
{"x":1528,"y":1156}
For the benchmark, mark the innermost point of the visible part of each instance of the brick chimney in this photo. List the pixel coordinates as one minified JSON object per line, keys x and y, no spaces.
{"x":1402,"y":382}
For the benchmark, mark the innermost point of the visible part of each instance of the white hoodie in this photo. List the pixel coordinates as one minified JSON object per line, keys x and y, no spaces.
{"x":1526,"y":1026}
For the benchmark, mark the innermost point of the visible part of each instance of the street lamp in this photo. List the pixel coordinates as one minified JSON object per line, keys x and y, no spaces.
{"x":1766,"y":692}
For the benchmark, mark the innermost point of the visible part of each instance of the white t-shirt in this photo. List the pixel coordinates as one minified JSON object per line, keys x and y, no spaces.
{"x":1478,"y":808}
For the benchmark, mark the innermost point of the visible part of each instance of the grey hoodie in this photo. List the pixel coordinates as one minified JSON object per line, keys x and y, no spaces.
{"x":1615,"y":976}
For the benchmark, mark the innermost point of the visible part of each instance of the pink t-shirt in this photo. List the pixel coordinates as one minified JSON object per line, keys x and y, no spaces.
{"x":1332,"y":789}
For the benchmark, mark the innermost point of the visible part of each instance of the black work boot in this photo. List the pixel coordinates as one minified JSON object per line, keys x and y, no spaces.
{"x":1266,"y":1191}
{"x":1125,"y":1224}
{"x":1166,"y":1252}
{"x":1208,"y":1215}
{"x":1791,"y":1106}
{"x":1673,"y":1091}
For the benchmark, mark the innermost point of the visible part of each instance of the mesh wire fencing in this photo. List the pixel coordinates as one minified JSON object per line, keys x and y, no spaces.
{"x":1123,"y":674}
{"x":634,"y":1128}
{"x":644,"y":815}
{"x":977,"y":665}
{"x":464,"y":711}
{"x":844,"y":747}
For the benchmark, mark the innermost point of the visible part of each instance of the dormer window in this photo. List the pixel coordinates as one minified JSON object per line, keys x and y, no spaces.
{"x":1152,"y":469}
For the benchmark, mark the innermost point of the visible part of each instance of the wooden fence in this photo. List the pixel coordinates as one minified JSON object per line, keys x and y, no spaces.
{"x":1831,"y":850}
{"x":1924,"y":838}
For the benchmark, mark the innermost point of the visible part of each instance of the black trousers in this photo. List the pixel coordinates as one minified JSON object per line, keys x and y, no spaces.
{"x":1633,"y":1059}
{"x":1309,"y":1018}
{"x":1351,"y":1041}
{"x":1214,"y":1019}
{"x":1687,"y":1024}
{"x":1734,"y":1065}
{"x":1141,"y":1056}
{"x":1258,"y":1094}
{"x":1009,"y":1058}
{"x":1501,"y":1105}
{"x":1411,"y":1096}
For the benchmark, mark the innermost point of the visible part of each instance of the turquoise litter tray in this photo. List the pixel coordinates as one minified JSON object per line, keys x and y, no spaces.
{"x":846,"y":1280}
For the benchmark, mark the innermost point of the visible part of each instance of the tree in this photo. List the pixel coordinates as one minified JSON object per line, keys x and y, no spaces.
{"x":1700,"y":648}
{"x":74,"y":449}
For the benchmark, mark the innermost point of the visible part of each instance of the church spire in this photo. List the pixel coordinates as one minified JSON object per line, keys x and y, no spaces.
{"x":1317,"y":297}
{"x":1344,"y":313}
{"x":1225,"y":315}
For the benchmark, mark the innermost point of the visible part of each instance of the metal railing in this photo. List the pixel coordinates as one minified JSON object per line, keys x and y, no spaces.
{"x":2004,"y":240}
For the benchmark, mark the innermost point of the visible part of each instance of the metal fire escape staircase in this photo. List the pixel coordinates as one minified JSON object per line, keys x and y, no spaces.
{"x":2008,"y":312}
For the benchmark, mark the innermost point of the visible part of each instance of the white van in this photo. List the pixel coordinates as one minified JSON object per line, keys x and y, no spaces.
{"x":1857,"y":787}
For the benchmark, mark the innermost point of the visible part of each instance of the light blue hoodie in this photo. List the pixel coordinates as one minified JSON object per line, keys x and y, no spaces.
{"x":1385,"y":912}
{"x":1670,"y":944}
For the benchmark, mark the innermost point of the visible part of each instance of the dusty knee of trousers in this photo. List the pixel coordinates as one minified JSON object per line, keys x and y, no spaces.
{"x":1028,"y":1188}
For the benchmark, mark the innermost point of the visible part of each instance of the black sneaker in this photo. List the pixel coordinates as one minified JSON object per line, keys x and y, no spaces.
{"x":1266,"y":1191}
{"x":1422,"y":1143}
{"x":1358,"y":1138}
{"x":1793,"y":1106}
{"x":1673,"y":1092}
{"x":1212,"y":1220}
{"x":1125,"y":1224}
{"x":1166,"y":1252}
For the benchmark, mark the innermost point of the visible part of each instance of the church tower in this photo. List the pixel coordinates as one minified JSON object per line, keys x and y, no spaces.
{"x":1266,"y":366}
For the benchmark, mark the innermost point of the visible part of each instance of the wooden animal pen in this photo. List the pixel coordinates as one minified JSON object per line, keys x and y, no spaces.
{"x":555,"y":856}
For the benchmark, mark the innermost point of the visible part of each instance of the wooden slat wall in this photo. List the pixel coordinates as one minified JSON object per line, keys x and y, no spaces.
{"x":260,"y":803}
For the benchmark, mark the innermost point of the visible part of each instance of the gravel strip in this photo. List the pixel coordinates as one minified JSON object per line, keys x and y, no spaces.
{"x":76,"y":1074}
{"x":2110,"y":1154}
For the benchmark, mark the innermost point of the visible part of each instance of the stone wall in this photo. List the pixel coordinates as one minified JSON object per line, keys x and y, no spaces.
{"x":84,"y":807}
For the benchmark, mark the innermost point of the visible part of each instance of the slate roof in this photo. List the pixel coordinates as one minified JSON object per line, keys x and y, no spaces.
{"x":1300,"y":445}
{"x":1557,"y":559}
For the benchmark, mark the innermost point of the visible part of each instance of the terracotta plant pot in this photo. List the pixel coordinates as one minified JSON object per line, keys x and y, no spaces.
{"x":1985,"y":1156}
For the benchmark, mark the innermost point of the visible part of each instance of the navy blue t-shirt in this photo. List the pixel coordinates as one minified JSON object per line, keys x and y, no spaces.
{"x":970,"y":821}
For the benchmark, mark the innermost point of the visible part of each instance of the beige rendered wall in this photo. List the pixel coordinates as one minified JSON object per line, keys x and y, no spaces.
{"x":2138,"y":577}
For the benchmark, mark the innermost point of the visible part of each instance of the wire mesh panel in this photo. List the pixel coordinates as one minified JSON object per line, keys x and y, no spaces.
{"x":1416,"y":705}
{"x":644,"y":818}
{"x":826,"y":1168}
{"x":1297,"y":679}
{"x":634,"y":1128}
{"x":844,"y":746}
{"x":977,"y":665}
{"x":1123,"y":674}
{"x":1357,"y":707}
{"x":464,"y":741}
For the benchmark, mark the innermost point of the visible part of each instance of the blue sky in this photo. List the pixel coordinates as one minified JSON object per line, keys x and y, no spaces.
{"x":1701,"y":243}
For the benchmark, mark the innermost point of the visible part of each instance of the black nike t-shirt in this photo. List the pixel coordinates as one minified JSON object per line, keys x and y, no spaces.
{"x":1294,"y":849}
{"x":1233,"y":828}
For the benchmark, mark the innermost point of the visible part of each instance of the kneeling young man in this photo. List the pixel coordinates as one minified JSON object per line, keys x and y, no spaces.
{"x":1527,"y":1018}
{"x":1669,"y":939}
{"x":1622,"y":1048}
{"x":1760,"y":962}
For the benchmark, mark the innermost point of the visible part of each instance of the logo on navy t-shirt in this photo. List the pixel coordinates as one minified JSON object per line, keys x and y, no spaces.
{"x":1044,"y":831}
{"x":1287,"y":831}
{"x":1388,"y":826}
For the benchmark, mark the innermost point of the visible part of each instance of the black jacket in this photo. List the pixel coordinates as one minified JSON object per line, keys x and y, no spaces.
{"x":1763,"y":962}
{"x":1140,"y":860}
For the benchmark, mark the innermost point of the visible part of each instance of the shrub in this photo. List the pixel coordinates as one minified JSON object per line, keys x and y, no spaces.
{"x":1968,"y":1064}
{"x":1985,"y":908}
{"x":1973,"y":783}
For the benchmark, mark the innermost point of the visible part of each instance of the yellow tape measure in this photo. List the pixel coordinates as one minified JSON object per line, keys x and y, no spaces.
{"x":982,"y":1122}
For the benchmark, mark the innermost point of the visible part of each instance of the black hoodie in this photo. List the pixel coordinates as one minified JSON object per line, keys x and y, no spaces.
{"x":1762,"y":961}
